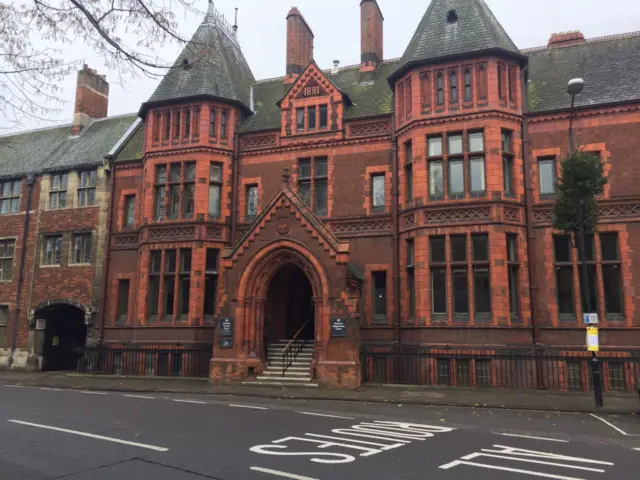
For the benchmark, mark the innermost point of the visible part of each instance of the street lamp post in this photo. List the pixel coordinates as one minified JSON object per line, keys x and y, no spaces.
{"x":575,"y":87}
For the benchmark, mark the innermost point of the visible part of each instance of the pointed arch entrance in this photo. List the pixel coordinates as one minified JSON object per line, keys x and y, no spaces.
{"x":282,"y":289}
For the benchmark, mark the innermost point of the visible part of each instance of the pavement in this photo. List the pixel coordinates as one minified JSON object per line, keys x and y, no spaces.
{"x":51,"y":433}
{"x":615,"y":402}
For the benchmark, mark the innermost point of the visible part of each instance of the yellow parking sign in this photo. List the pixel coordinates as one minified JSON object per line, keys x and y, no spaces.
{"x":593,"y":344}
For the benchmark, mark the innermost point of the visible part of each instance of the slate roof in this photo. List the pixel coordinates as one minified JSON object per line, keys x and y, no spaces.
{"x":133,"y":146}
{"x":54,"y":149}
{"x":476,"y":30}
{"x":367,"y":99}
{"x":217,"y":68}
{"x":609,"y":66}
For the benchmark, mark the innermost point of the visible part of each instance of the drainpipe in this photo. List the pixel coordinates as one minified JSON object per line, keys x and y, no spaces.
{"x":531,"y":258}
{"x":395,"y":196}
{"x":105,"y":283}
{"x":235,"y":179}
{"x":23,"y":254}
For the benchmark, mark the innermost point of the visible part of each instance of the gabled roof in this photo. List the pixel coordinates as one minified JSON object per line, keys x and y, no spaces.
{"x":471,"y":29}
{"x":301,"y":78}
{"x":288,"y":196}
{"x":367,"y":99}
{"x":210,"y":65}
{"x":54,"y":149}
{"x":608,"y":65}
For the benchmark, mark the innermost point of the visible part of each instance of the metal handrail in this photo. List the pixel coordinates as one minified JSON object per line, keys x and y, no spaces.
{"x":293,"y":348}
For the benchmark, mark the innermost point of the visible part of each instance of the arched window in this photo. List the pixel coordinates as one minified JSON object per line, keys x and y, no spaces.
{"x":440,"y":89}
{"x":454,"y":87}
{"x":467,"y":86}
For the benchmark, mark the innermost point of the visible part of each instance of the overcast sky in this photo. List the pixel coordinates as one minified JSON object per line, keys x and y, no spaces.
{"x":336,"y":26}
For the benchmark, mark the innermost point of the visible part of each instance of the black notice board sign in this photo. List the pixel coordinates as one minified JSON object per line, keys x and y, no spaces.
{"x":226,"y":343}
{"x":226,"y":327}
{"x":338,"y":327}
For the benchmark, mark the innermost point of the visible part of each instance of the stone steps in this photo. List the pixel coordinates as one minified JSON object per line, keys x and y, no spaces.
{"x":297,"y":374}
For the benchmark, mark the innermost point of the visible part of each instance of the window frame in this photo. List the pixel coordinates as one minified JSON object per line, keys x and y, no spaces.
{"x":453,"y":87}
{"x":81,"y":247}
{"x":438,"y":266}
{"x":323,"y":116}
{"x":468,"y":85}
{"x":552,"y":161}
{"x":224,"y":120}
{"x":440,"y":89}
{"x":87,"y":184}
{"x":614,"y":264}
{"x":215,"y":184}
{"x":11,"y":198}
{"x":184,"y":279}
{"x":375,"y":179}
{"x":479,"y":265}
{"x":379,"y":317}
{"x":7,"y":260}
{"x":508,"y":177}
{"x":55,"y":252}
{"x":313,"y":182}
{"x":122,"y":314}
{"x":411,"y":276}
{"x":211,"y":284}
{"x":60,"y":193}
{"x":213,"y":122}
{"x":250,"y":216}
{"x":408,"y":171}
{"x":300,"y":123}
{"x":561,"y":266}
{"x":312,"y":121}
{"x":513,"y":275}
{"x":129,"y":212}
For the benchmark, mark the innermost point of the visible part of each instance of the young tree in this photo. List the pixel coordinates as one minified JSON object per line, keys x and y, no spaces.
{"x":576,"y":208}
{"x":128,"y":34}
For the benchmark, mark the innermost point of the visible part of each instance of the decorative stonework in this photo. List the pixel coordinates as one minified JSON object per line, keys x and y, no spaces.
{"x":259,"y":141}
{"x":187,"y":232}
{"x":543,"y":215}
{"x":363,"y":227}
{"x":369,"y":128}
{"x":409,"y":220}
{"x":214,"y":231}
{"x":455,"y":215}
{"x":126,"y":240}
{"x":283,"y":228}
{"x":613,"y":211}
{"x":511,"y":214}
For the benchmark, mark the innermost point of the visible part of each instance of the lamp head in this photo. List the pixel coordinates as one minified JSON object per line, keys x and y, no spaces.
{"x":575,"y":86}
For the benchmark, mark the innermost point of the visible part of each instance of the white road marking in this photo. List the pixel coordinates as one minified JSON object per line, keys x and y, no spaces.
{"x":527,"y":460}
{"x":507,"y":469}
{"x":280,"y":474}
{"x":324,"y":415}
{"x":91,"y":435}
{"x":13,"y":386}
{"x":248,"y":406}
{"x":533,"y":438}
{"x":617,"y":429}
{"x":638,"y":449}
{"x":139,"y":396}
{"x":88,"y":392}
{"x":198,"y":402}
{"x":51,"y":389}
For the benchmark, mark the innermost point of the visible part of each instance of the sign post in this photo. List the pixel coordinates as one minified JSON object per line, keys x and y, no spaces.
{"x":593,"y":346}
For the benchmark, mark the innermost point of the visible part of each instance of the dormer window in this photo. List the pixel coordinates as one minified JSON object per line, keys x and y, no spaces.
{"x":186,"y":64}
{"x":452,"y":17}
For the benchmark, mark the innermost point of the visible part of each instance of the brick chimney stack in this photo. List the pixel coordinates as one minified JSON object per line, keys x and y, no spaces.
{"x":299,"y":44}
{"x":371,"y":35}
{"x":566,"y":38}
{"x":92,"y":98}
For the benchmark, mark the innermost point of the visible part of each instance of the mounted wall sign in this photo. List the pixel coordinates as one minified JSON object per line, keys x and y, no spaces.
{"x":338,"y":328}
{"x":226,"y":343}
{"x":41,"y":323}
{"x":226,"y":327}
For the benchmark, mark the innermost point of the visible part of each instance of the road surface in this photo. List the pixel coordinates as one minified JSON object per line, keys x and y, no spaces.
{"x":76,"y":435}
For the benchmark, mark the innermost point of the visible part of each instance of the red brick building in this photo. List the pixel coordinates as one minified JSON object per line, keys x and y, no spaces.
{"x":394,"y":204}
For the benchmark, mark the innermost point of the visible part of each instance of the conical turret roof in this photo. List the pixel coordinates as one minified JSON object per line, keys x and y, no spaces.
{"x":452,"y":28}
{"x":210,"y":65}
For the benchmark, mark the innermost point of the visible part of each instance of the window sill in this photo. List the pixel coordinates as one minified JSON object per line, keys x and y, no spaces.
{"x":209,"y":319}
{"x":460,"y":318}
{"x":547,"y":197}
{"x":567,"y":318}
{"x":5,"y":282}
{"x":10,"y":214}
{"x":166,"y":319}
{"x":80,"y":265}
{"x":50,"y":266}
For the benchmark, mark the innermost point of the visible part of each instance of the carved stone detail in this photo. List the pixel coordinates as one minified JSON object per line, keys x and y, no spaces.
{"x":409,"y":220}
{"x":122,"y":240}
{"x":511,"y":214}
{"x":361,"y":227}
{"x":172,"y":232}
{"x":463,"y":214}
{"x":544,"y":215}
{"x":259,"y":141}
{"x":214,"y":231}
{"x":611,"y":211}
{"x":370,"y":128}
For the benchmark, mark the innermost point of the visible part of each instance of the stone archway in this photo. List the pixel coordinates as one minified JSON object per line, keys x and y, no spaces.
{"x":254,"y":286}
{"x":65,"y":329}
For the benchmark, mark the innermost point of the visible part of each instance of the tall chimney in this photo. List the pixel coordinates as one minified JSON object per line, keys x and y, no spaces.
{"x":299,"y":44}
{"x":371,"y":35}
{"x":92,"y":98}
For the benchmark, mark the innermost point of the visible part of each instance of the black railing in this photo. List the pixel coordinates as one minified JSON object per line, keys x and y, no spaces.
{"x":553,"y":370}
{"x":293,"y":348}
{"x":156,"y":362}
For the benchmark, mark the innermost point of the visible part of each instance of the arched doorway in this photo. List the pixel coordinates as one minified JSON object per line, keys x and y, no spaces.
{"x":64,"y":331}
{"x":289,"y":306}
